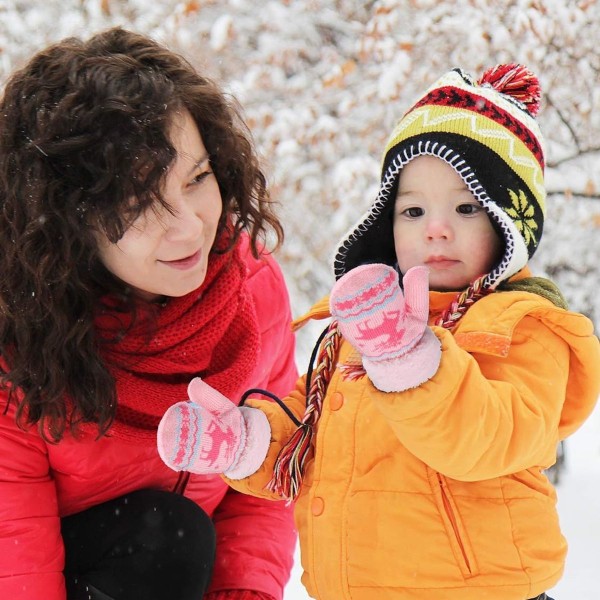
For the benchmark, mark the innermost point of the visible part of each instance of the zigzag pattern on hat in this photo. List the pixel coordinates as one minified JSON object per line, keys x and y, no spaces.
{"x":478,"y":103}
{"x":431,"y":119}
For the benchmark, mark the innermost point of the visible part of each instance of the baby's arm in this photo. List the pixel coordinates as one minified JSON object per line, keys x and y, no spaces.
{"x":468,"y":415}
{"x":482,"y":416}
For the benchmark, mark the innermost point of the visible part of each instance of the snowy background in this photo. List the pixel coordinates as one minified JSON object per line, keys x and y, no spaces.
{"x":322,"y":84}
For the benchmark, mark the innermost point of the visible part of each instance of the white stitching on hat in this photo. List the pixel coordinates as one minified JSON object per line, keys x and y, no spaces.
{"x":456,"y":161}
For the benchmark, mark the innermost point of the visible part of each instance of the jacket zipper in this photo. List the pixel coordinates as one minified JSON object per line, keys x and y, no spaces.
{"x":452,"y":517}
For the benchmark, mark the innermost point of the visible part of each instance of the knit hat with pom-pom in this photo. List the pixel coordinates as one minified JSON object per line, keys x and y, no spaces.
{"x":487,"y":132}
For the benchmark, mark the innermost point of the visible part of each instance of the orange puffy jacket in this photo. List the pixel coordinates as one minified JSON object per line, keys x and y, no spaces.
{"x":439,"y":491}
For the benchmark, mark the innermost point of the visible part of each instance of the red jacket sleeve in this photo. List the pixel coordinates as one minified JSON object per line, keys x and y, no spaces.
{"x":31,"y":549}
{"x":256,"y":538}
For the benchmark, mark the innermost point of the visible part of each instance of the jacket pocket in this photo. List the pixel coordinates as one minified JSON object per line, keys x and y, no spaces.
{"x":455,"y":529}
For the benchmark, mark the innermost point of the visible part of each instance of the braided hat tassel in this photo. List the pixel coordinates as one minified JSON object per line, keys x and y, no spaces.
{"x":462,"y":302}
{"x":289,"y":465}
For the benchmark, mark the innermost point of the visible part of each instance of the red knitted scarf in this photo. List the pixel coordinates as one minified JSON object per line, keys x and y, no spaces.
{"x":211,"y":332}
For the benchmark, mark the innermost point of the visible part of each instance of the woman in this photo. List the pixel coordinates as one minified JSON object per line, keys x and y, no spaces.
{"x":131,"y":209}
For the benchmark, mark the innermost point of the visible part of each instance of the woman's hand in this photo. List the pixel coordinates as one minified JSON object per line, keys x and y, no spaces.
{"x":210,"y":434}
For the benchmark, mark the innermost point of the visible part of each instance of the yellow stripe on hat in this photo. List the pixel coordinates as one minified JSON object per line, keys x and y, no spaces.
{"x":499,"y":139}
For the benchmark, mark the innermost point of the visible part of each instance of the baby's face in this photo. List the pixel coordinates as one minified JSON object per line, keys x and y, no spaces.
{"x":438,"y":223}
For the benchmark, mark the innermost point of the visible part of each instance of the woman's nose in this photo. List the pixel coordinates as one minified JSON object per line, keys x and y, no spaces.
{"x":182,"y":223}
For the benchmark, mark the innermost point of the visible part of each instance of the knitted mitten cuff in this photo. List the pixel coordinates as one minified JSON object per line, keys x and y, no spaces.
{"x":258,"y":438}
{"x":408,"y":371}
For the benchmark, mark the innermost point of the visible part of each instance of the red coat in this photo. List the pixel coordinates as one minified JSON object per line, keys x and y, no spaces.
{"x":40,"y":482}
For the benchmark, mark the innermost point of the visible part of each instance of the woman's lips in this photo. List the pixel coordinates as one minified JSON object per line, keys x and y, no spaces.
{"x":184,"y":263}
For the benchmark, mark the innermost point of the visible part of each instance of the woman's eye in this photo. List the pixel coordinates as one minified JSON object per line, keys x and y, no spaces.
{"x":200,"y":177}
{"x":133,"y":213}
{"x":468,"y":209}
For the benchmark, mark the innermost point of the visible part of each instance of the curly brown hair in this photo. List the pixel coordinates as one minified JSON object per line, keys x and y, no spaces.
{"x":83,"y":131}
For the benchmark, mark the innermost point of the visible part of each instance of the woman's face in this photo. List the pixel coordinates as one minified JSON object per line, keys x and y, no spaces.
{"x":166,"y":253}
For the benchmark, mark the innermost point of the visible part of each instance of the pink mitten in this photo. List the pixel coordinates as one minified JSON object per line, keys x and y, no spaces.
{"x":210,"y":434}
{"x":387,"y":327}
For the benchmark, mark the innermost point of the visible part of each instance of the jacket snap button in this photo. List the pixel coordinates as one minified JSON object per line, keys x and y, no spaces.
{"x":318,"y":506}
{"x":337,"y":400}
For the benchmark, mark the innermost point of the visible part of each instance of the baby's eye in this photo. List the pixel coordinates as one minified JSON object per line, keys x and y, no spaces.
{"x":468,"y":209}
{"x":413,"y":212}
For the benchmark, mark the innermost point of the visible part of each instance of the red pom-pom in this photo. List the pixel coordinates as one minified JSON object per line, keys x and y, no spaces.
{"x":517,"y":81}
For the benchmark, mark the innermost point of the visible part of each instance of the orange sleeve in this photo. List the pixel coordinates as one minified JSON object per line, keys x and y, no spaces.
{"x":483,"y":416}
